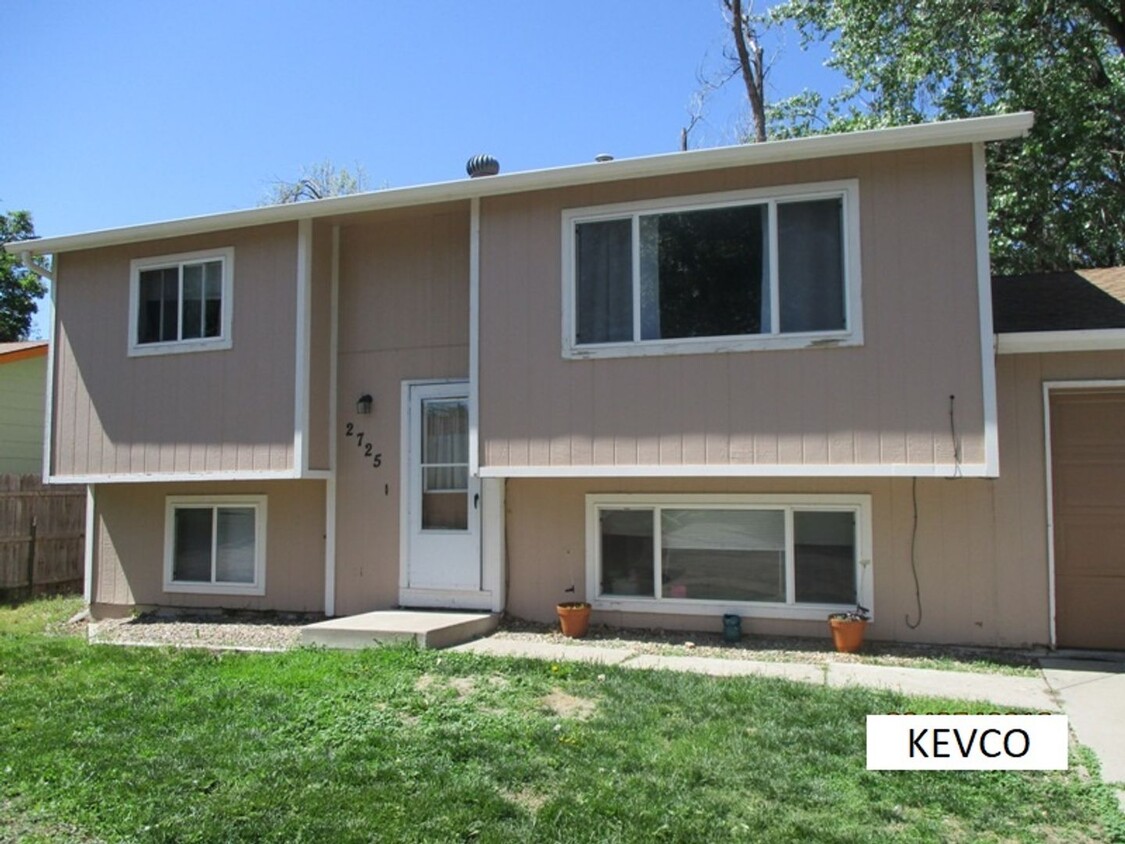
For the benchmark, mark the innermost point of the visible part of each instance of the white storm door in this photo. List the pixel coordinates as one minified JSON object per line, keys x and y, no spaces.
{"x":443,"y":500}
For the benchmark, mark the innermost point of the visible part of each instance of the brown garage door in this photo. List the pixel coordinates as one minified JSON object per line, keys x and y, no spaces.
{"x":1088,"y":475}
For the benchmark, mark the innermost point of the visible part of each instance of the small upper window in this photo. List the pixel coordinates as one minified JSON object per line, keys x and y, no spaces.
{"x":181,"y":302}
{"x":749,"y":270}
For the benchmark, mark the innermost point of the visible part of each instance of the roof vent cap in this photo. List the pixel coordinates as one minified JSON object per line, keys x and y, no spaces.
{"x":482,"y":165}
{"x":603,"y":157}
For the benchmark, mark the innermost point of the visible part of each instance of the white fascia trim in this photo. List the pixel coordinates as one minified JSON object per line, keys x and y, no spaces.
{"x":304,"y":352}
{"x":984,"y":296}
{"x":52,"y":340}
{"x":922,"y":135}
{"x":764,"y":470}
{"x":1088,"y":340}
{"x":176,"y":477}
{"x":333,"y":393}
{"x":474,"y":337}
{"x":88,"y":547}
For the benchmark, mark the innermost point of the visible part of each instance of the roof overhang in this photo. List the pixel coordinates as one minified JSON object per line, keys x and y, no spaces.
{"x":944,"y":133}
{"x":1037,"y":342}
{"x":12,"y":352}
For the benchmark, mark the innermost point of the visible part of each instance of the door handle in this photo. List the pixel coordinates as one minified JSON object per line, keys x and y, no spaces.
{"x":476,"y":500}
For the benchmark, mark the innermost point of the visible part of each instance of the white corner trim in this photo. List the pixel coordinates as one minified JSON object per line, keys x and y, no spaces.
{"x":88,"y":547}
{"x":984,"y":295}
{"x":177,"y":477}
{"x":304,"y":352}
{"x":1087,"y":340}
{"x":52,"y":341}
{"x":474,"y":336}
{"x":333,"y":395}
{"x":757,"y":470}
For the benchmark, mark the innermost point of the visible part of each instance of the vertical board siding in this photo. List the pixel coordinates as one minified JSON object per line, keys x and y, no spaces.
{"x":404,"y":315}
{"x":320,"y":347}
{"x":884,"y":402}
{"x":980,"y":553}
{"x":42,"y":531}
{"x":129,"y":547}
{"x":222,"y":410}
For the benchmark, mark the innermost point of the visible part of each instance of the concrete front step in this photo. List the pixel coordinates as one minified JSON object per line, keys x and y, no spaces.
{"x":384,"y":627}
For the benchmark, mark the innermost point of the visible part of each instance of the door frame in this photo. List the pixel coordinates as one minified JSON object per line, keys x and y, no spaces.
{"x":1048,"y":388}
{"x":490,"y":594}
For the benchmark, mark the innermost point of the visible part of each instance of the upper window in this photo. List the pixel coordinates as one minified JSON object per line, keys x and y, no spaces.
{"x":755,"y":269}
{"x":181,"y":303}
{"x":781,"y":556}
{"x":215,"y":544}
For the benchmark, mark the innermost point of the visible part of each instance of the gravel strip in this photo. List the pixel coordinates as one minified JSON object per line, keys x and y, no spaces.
{"x":246,"y":631}
{"x":240,"y":632}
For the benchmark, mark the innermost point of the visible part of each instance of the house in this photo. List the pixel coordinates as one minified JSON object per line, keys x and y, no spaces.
{"x":761,"y":379}
{"x":23,"y":387}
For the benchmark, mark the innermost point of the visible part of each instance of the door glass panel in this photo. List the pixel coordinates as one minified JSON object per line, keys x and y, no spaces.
{"x":445,"y":464}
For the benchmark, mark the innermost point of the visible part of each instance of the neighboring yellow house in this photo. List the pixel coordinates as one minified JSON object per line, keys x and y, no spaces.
{"x":23,"y":382}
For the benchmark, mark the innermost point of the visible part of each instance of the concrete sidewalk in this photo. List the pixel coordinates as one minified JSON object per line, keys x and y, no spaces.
{"x":1090,"y":692}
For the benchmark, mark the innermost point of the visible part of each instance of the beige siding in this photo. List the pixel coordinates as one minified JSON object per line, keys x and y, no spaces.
{"x":22,"y":387}
{"x":129,"y":546}
{"x":404,"y":315}
{"x":201,"y":411}
{"x":885,"y":402}
{"x":980,"y":551}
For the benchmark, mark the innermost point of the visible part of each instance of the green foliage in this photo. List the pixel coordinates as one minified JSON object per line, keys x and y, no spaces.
{"x":1057,"y":198}
{"x":395,"y":744}
{"x":18,"y":288}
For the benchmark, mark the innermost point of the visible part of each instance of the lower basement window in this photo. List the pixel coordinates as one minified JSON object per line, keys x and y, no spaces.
{"x":215,"y":544}
{"x":770,"y":556}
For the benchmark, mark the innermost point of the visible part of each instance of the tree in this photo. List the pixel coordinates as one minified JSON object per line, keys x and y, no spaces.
{"x":1057,"y":197}
{"x":319,"y":181}
{"x":19,"y":288}
{"x":745,"y":26}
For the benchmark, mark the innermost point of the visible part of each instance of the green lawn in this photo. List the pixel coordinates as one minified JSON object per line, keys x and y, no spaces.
{"x":116,"y":744}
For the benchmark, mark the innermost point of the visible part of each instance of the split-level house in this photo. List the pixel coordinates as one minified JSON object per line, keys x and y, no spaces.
{"x":760,"y":380}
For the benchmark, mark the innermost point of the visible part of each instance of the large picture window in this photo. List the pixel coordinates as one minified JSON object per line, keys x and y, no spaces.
{"x":215,"y":544}
{"x":759,"y":555}
{"x":756,"y":269}
{"x":181,"y":302}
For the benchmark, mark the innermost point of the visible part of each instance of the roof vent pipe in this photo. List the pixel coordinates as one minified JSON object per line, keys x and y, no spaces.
{"x":482,"y":165}
{"x":603,"y":157}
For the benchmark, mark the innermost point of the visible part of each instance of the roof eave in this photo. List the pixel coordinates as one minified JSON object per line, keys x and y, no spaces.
{"x":943,"y":133}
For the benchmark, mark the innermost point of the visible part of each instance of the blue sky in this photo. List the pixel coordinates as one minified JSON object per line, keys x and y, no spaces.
{"x":123,"y":112}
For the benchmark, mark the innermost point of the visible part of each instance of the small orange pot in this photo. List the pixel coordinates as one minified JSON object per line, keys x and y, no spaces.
{"x":574,"y":618}
{"x":847,"y":634}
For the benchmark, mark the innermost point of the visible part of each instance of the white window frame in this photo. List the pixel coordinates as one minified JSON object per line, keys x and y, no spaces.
{"x":214,"y":502}
{"x":858,"y":504}
{"x":851,"y":335}
{"x":200,"y":344}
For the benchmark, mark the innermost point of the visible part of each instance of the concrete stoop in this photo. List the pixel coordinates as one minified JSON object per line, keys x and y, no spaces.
{"x":384,"y":627}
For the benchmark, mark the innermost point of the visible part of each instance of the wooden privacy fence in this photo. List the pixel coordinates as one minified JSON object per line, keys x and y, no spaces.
{"x":42,"y":537}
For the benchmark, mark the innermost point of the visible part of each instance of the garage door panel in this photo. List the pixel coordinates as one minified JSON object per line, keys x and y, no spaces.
{"x":1088,"y":492}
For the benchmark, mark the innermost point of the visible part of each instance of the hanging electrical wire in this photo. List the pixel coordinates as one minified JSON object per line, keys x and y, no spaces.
{"x":913,"y":557}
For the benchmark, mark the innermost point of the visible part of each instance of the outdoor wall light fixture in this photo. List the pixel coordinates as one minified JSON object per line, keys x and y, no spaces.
{"x":363,"y":404}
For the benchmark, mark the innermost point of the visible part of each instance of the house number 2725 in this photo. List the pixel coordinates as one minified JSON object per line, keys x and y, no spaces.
{"x":369,"y":452}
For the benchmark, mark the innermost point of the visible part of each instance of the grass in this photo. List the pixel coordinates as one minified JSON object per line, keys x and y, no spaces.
{"x":155,"y":745}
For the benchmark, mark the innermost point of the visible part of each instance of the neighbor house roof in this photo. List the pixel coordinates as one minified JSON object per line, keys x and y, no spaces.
{"x":943,"y":133}
{"x":1071,"y":300}
{"x":12,"y":352}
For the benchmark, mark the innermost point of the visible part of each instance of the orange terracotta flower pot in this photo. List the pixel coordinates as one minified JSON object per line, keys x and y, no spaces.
{"x":847,"y":634}
{"x":574,"y":618}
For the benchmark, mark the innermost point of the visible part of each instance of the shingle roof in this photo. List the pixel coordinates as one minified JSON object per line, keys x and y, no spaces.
{"x":1072,"y":300}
